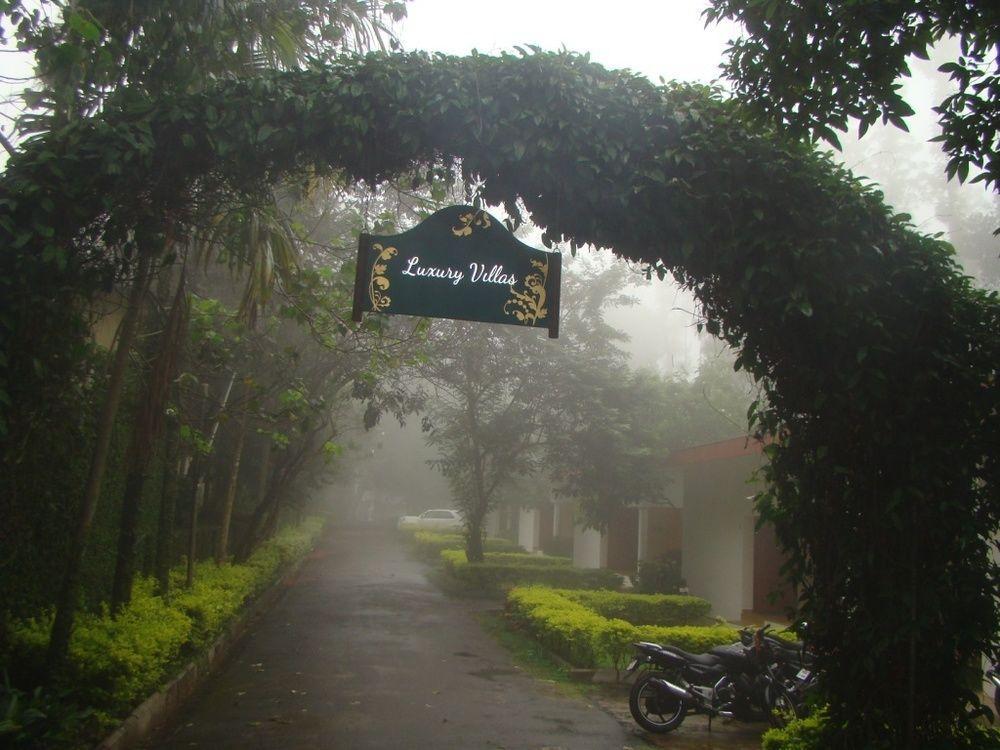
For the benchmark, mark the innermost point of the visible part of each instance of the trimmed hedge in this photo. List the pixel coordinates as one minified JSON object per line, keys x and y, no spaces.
{"x":116,"y":662}
{"x":430,"y":544}
{"x":453,"y":557}
{"x":586,"y":638}
{"x":502,"y":570}
{"x":645,"y":609}
{"x":812,"y":733}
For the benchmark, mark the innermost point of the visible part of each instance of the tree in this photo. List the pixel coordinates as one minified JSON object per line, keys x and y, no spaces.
{"x":483,"y":415}
{"x":609,"y":430}
{"x":812,"y":67}
{"x":92,"y":53}
{"x":92,"y":56}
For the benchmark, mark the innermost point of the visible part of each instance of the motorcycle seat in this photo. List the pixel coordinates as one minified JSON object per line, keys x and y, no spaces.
{"x":705,"y":660}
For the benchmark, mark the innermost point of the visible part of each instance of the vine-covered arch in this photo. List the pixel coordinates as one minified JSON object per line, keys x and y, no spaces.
{"x":876,"y":355}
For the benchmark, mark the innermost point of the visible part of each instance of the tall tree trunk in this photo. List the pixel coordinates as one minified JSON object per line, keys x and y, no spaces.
{"x":265,"y":516}
{"x":66,"y":603}
{"x":271,"y":524}
{"x":198,"y":497}
{"x":246,"y":544}
{"x":474,"y":545}
{"x":480,"y":502}
{"x":148,"y":423}
{"x":168,"y":507}
{"x":222,"y":545}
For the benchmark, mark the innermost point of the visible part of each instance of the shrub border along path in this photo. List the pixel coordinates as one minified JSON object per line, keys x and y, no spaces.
{"x":563,"y":622}
{"x":501,"y":570}
{"x":159,"y":708}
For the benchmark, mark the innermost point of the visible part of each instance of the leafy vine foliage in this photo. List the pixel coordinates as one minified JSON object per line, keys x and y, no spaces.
{"x":814,"y":66}
{"x":877,"y":357}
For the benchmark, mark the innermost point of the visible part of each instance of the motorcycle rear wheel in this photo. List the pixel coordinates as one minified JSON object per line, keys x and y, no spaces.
{"x":652,"y":708}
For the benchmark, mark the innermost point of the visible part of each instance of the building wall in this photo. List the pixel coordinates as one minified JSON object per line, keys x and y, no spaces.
{"x":623,"y":531}
{"x":664,"y":532}
{"x":561,"y":541}
{"x":770,"y":594}
{"x":717,"y":558}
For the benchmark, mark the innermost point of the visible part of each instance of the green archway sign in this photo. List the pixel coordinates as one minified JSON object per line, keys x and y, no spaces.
{"x":458,"y":263}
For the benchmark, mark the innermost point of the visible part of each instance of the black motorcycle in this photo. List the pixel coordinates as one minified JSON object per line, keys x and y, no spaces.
{"x":734,"y":681}
{"x":791,"y":664}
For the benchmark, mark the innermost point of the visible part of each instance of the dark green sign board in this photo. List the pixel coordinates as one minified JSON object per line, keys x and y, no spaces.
{"x":458,"y":263}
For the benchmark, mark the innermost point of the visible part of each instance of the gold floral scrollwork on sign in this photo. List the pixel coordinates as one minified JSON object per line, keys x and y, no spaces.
{"x":379,"y":283}
{"x":468,"y":220}
{"x":528,"y":304}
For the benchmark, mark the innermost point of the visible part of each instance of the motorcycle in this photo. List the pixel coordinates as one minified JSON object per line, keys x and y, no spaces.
{"x":735,"y":681}
{"x":791,"y":664}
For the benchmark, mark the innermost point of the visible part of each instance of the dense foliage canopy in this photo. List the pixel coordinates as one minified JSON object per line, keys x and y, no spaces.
{"x":878,"y":359}
{"x":815,"y":66}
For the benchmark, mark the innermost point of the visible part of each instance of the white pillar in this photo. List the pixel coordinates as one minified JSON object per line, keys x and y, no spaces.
{"x":642,"y":543}
{"x":590,"y":548}
{"x":529,"y":529}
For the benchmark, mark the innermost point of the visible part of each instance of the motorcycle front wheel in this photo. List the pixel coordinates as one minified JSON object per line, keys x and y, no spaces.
{"x":654,"y":709}
{"x":782,"y":706}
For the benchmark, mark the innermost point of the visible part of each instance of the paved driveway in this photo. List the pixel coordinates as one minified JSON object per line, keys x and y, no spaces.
{"x":362,"y":652}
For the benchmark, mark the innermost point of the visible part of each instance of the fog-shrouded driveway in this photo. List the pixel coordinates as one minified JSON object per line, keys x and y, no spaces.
{"x":362,"y":652}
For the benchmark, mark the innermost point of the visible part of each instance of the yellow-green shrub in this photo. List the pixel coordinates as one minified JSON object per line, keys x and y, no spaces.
{"x":694,"y":639}
{"x":645,"y":609}
{"x":501,"y":570}
{"x":587,"y":638}
{"x":457,"y":557}
{"x":115,"y":662}
{"x":430,"y":544}
{"x":217,"y":595}
{"x":220,"y":591}
{"x":562,"y":625}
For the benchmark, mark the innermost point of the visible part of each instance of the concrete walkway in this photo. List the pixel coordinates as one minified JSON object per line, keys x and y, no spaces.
{"x":362,"y":652}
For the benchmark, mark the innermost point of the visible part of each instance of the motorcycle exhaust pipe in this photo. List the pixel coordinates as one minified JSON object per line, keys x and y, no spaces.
{"x":676,"y":691}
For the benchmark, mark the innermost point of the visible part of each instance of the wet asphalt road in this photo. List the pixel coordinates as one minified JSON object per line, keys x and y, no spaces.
{"x":362,"y":652}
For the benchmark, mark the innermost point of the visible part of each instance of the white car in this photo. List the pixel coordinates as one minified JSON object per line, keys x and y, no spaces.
{"x":440,"y":519}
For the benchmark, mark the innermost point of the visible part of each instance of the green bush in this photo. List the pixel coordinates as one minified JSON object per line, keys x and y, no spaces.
{"x":430,"y":544}
{"x":113,"y":661}
{"x":799,"y":734}
{"x":645,"y":609}
{"x":566,"y":627}
{"x":502,"y":570}
{"x":116,"y":662}
{"x":452,"y":557}
{"x":811,"y":733}
{"x":572,"y":629}
{"x":695,"y":639}
{"x":41,"y":719}
{"x":660,"y":576}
